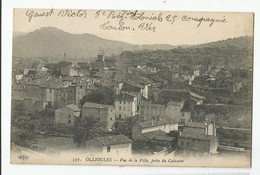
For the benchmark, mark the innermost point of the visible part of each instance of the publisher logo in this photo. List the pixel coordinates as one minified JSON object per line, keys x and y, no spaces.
{"x":23,"y":157}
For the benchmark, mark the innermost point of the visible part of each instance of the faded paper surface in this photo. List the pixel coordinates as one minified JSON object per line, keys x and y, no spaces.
{"x":142,"y":88}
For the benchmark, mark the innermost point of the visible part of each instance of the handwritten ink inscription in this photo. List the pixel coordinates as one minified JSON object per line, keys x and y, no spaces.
{"x":147,"y":27}
{"x":62,"y":13}
{"x":211,"y":21}
{"x":121,"y":20}
{"x":121,"y":26}
{"x":34,"y":14}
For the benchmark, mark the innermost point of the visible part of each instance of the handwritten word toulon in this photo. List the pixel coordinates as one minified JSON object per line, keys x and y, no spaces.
{"x":61,"y":13}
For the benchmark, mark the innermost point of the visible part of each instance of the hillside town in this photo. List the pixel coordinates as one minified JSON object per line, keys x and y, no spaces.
{"x":123,"y":106}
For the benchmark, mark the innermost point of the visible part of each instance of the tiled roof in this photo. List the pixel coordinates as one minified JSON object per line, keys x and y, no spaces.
{"x":113,"y":140}
{"x":157,"y":78}
{"x":199,"y":131}
{"x":156,"y":122}
{"x":137,"y":83}
{"x":174,"y":102}
{"x":96,"y":105}
{"x":143,"y":80}
{"x":55,"y":83}
{"x":194,"y":135}
{"x":195,"y":124}
{"x":103,"y":73}
{"x":124,"y":97}
{"x":174,"y":94}
{"x":118,"y":75}
{"x":127,"y":87}
{"x":158,"y":135}
{"x":153,"y":103}
{"x":73,"y":107}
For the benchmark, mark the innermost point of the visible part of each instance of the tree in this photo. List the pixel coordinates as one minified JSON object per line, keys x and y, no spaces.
{"x":103,"y":95}
{"x":88,"y":128}
{"x":21,"y":138}
{"x":125,"y":126}
{"x":176,"y":135}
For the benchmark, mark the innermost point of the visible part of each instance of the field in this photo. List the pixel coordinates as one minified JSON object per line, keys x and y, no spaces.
{"x":50,"y":144}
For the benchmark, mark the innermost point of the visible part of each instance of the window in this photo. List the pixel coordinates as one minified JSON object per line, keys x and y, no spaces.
{"x":108,"y":149}
{"x":50,"y":90}
{"x":188,"y":144}
{"x":111,"y":118}
{"x":69,"y":121}
{"x":124,"y":102}
{"x":120,"y":102}
{"x":119,"y":116}
{"x":69,"y":116}
{"x":181,"y":143}
{"x":182,"y":114}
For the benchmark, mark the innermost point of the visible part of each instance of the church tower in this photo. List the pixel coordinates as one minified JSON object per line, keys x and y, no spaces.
{"x":101,"y":57}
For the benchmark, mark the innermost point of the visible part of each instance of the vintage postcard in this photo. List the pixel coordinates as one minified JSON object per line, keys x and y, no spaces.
{"x":132,"y":87}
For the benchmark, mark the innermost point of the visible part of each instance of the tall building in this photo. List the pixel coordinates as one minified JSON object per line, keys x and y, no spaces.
{"x":105,"y":113}
{"x":125,"y":106}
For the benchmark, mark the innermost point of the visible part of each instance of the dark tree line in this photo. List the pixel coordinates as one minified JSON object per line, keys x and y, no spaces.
{"x":103,"y":95}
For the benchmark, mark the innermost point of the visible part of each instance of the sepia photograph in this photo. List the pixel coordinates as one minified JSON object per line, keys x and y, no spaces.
{"x":132,"y":88}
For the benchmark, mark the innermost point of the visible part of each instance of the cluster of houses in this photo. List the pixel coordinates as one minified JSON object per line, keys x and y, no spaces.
{"x":138,"y":92}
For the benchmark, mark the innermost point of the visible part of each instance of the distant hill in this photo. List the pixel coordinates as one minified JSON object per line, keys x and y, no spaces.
{"x":231,"y":52}
{"x":15,"y":34}
{"x":238,"y":42}
{"x":50,"y":42}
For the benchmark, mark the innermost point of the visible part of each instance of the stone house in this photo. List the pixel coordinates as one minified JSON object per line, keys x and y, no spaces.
{"x":105,"y":113}
{"x":199,"y":138}
{"x":116,"y":145}
{"x":152,"y":108}
{"x":177,"y":109}
{"x":66,"y":116}
{"x":72,"y":70}
{"x":164,"y":124}
{"x":125,"y":106}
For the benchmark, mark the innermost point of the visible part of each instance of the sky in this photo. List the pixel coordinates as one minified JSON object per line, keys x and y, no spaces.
{"x":142,"y":27}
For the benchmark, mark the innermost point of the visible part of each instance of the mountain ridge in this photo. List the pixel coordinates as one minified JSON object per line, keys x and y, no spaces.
{"x":51,"y":42}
